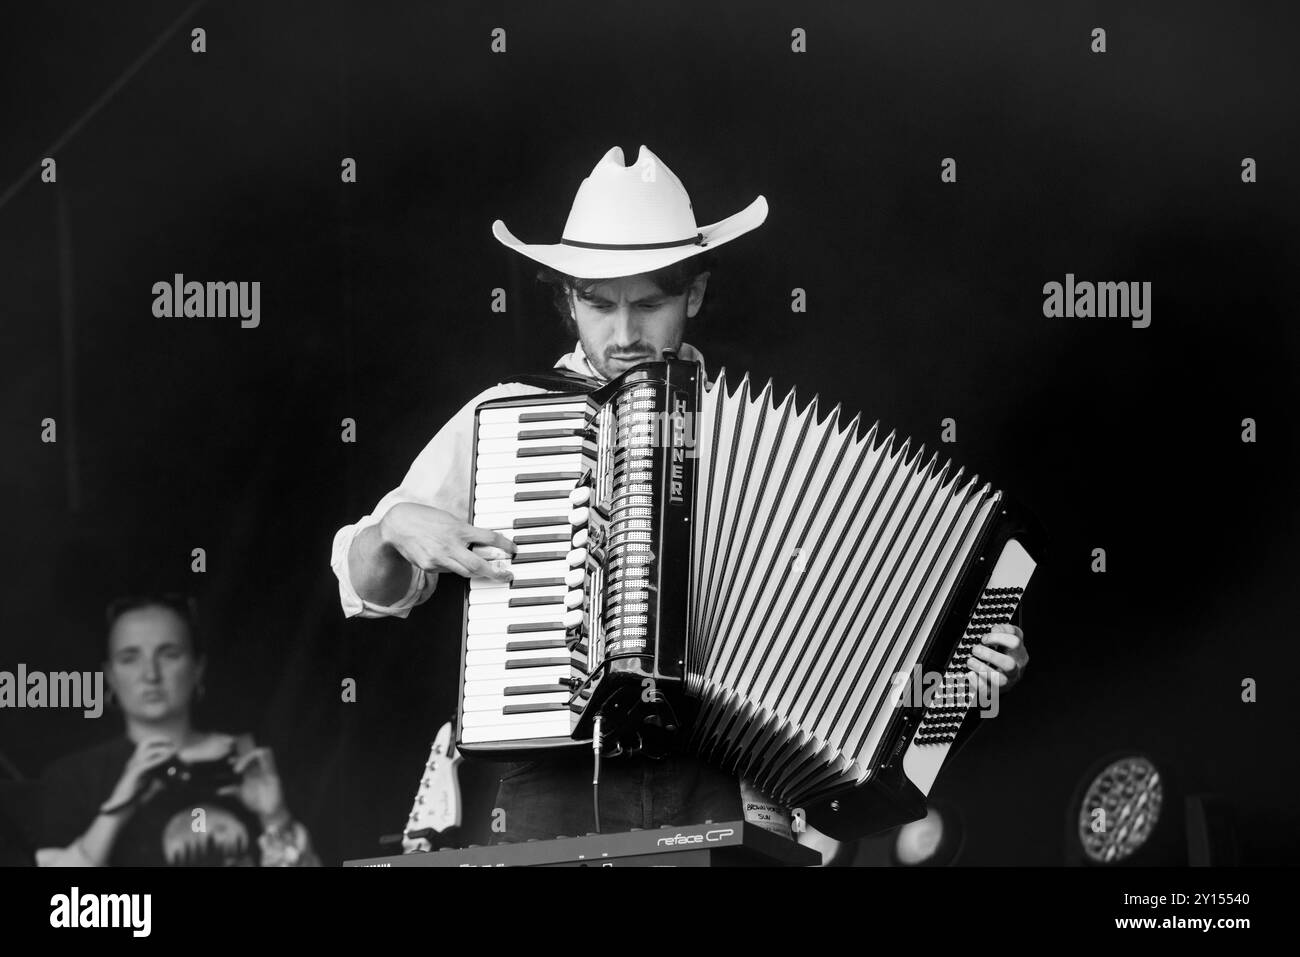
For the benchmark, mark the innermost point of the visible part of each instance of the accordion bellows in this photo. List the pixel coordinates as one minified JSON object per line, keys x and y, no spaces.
{"x":775,"y":574}
{"x":821,"y":566}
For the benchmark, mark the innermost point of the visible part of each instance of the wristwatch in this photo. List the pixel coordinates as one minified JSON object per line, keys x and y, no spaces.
{"x":283,"y":844}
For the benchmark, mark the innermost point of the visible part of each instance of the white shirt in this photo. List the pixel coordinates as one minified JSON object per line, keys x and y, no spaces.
{"x":440,"y":477}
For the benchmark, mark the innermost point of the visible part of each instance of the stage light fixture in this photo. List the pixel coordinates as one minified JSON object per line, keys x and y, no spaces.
{"x":1120,"y":809}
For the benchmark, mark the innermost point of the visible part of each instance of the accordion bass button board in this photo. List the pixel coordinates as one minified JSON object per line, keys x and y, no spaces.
{"x":705,"y":567}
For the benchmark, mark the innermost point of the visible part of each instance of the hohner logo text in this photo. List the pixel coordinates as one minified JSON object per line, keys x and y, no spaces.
{"x":678,"y":450}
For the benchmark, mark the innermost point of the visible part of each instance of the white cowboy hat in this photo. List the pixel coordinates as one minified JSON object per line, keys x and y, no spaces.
{"x":627,"y":220}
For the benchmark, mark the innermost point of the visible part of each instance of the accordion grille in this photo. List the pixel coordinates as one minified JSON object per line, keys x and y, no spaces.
{"x":631,"y":514}
{"x":823,"y":561}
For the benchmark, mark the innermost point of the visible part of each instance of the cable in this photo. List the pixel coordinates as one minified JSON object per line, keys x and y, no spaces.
{"x":103,"y":99}
{"x":595,"y":771}
{"x":10,"y":768}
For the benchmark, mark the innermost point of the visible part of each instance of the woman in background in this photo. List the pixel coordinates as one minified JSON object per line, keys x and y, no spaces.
{"x":165,"y":792}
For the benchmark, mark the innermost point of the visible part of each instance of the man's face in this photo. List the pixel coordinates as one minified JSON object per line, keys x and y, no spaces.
{"x":629,"y":320}
{"x":151,"y":666}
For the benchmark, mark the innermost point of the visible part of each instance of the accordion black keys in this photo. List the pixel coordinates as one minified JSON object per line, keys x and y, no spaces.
{"x":703,"y":566}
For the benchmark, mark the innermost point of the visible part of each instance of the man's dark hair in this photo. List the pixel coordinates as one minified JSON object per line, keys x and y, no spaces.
{"x":183,"y":606}
{"x":672,"y":280}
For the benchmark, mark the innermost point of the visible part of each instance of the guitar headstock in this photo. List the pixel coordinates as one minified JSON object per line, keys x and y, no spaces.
{"x":437,"y":807}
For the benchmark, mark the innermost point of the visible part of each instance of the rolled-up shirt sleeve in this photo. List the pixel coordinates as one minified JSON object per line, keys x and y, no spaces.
{"x":421,"y":587}
{"x":439,"y":477}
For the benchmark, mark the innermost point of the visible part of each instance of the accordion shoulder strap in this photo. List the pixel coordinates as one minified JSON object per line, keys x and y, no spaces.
{"x":559,"y":380}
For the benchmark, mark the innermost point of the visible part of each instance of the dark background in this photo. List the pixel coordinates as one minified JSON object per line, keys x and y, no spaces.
{"x":925,"y":301}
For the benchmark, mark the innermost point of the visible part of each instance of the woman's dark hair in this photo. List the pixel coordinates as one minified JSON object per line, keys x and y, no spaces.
{"x":672,"y":280}
{"x":183,"y":606}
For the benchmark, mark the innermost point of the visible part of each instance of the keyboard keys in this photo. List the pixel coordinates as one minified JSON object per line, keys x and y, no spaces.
{"x":522,"y":654}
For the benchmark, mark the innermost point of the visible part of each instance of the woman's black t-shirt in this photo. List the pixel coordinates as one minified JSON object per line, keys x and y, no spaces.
{"x":173,"y":827}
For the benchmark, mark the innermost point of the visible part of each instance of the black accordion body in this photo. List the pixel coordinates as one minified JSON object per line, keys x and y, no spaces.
{"x":702,"y":567}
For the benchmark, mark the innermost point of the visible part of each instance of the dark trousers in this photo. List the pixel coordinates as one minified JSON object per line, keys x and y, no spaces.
{"x":546,"y":799}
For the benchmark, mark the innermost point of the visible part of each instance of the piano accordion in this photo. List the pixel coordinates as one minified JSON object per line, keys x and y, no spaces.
{"x":754,"y":582}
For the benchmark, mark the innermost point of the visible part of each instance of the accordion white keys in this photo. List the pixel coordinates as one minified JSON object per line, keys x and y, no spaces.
{"x":766,"y":585}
